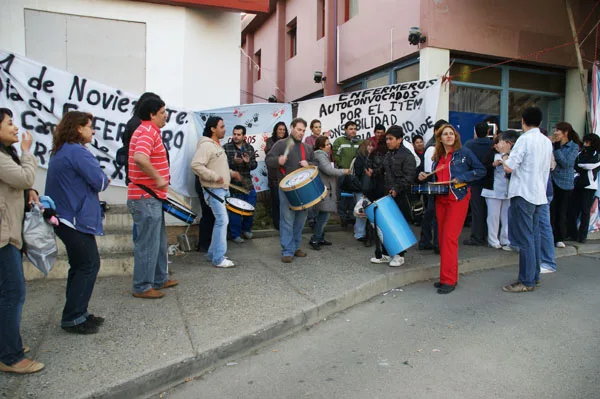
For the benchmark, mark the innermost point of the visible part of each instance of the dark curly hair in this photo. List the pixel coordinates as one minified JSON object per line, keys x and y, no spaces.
{"x":67,"y":129}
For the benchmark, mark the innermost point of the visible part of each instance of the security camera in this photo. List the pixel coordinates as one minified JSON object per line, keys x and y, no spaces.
{"x":318,"y":77}
{"x":272,"y":98}
{"x":415,"y":37}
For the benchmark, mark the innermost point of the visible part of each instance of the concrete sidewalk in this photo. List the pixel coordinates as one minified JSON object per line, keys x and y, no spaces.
{"x":213,"y":315}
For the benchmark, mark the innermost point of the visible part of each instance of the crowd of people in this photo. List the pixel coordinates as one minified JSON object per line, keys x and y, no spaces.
{"x":527,"y":192}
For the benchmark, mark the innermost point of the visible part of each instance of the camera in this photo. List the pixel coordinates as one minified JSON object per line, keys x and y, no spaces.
{"x":318,"y":77}
{"x":415,"y":37}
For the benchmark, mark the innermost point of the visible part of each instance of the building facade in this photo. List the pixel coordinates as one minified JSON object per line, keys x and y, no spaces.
{"x":501,"y":56}
{"x":186,"y":51}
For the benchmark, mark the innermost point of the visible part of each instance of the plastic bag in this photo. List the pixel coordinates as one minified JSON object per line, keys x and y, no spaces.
{"x":39,"y":240}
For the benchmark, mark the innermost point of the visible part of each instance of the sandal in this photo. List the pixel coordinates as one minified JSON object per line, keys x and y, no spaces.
{"x":517,"y":286}
{"x":30,"y":366}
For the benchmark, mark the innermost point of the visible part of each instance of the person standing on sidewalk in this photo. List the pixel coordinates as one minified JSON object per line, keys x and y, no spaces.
{"x":241,"y":158}
{"x":480,"y":145}
{"x":344,"y":151}
{"x":149,"y":181}
{"x":495,"y":193}
{"x":329,"y":175}
{"x":428,"y":238}
{"x":529,"y":165}
{"x":400,"y":171}
{"x":458,"y":166}
{"x":74,"y":181}
{"x":210,"y":165}
{"x":289,"y":155}
{"x":16,"y":180}
{"x":566,"y":143}
{"x":315,"y":129}
{"x":274,"y":176}
{"x":587,"y":166}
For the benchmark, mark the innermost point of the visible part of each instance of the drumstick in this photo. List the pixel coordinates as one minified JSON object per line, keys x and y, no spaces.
{"x":288,"y":147}
{"x":435,"y":171}
{"x":178,"y":198}
{"x":239,"y":188}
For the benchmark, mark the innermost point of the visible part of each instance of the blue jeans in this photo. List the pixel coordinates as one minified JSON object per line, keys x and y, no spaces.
{"x":523,"y":224}
{"x":291,"y":224}
{"x":218,"y":242}
{"x":12,"y":298}
{"x":84,"y":262}
{"x":318,"y":231}
{"x":239,"y":223}
{"x":150,"y":245}
{"x":360,"y":224}
{"x":544,"y":234}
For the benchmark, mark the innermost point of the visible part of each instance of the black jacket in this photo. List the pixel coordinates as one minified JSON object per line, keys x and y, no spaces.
{"x":400,"y":170}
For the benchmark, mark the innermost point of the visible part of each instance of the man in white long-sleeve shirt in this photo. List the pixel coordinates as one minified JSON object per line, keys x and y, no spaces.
{"x":529,"y":164}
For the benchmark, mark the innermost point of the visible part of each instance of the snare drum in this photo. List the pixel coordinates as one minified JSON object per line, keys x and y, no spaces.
{"x":179,"y":210}
{"x":392,"y":228}
{"x":303,"y":188}
{"x":430,"y":189}
{"x":239,"y":206}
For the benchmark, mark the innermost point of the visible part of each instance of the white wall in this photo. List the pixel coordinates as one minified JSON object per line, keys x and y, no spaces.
{"x":192,"y":56}
{"x":433,"y":64}
{"x":575,"y":102}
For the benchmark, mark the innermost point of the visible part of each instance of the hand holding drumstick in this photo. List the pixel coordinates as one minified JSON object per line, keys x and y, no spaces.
{"x":422,"y":176}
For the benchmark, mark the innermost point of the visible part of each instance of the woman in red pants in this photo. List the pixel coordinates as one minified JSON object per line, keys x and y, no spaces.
{"x":458,"y":166}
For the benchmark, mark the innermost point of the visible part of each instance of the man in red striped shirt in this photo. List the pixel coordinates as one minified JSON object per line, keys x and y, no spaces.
{"x":149,"y":181}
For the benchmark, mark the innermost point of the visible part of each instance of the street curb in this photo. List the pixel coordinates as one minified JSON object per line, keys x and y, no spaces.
{"x":155,"y":381}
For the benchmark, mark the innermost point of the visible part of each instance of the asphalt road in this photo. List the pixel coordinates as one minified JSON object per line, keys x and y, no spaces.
{"x":477,"y":342}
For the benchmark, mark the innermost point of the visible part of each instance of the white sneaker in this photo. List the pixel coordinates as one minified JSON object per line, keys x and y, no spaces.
{"x":397,"y":261}
{"x":247,"y":234}
{"x":225,"y":264}
{"x":508,"y":248}
{"x":545,"y":270}
{"x":383,"y":259}
{"x":497,"y":246}
{"x":238,"y":240}
{"x":560,"y":244}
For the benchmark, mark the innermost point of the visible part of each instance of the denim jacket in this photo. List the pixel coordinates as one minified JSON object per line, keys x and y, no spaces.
{"x":465,"y":167}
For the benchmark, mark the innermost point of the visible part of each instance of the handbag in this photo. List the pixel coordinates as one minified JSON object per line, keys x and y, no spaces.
{"x":39,"y":240}
{"x":351,"y":183}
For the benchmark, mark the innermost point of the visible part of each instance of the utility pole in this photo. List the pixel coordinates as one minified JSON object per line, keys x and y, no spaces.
{"x":582,"y":75}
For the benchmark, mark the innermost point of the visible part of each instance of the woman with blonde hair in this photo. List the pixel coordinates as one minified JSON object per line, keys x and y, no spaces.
{"x":73,"y":181}
{"x":457,"y":166}
{"x":16,"y":179}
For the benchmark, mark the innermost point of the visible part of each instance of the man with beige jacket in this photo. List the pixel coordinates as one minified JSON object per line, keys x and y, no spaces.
{"x":211,"y":166}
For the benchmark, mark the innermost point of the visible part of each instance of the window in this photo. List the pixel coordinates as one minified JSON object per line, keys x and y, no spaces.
{"x":407,"y":74}
{"x":292,"y":39}
{"x":535,"y":81}
{"x":378,"y":81}
{"x":320,"y":19}
{"x":353,"y":87}
{"x":257,"y":65}
{"x":350,"y":9}
{"x":471,"y":105}
{"x":462,"y":73}
{"x":552,"y":108}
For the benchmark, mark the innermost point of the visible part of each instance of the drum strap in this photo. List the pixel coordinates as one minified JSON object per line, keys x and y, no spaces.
{"x":215,"y":196}
{"x":149,"y":191}
{"x":302,"y":153}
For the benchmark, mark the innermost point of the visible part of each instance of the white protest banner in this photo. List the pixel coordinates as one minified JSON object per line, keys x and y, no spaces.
{"x":38,"y":95}
{"x":259,"y":120}
{"x":412,"y":105}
